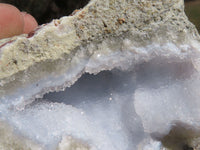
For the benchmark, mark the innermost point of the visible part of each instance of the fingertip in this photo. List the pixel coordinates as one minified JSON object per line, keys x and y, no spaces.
{"x":29,"y":22}
{"x":11,"y":21}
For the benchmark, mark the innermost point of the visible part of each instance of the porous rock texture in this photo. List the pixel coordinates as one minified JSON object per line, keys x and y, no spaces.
{"x":99,"y":21}
{"x":105,"y":35}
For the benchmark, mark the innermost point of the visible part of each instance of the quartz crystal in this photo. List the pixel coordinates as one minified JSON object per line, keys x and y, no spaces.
{"x":116,"y":75}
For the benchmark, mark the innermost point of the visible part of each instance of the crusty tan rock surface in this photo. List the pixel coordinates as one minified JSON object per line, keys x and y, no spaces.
{"x":99,"y":20}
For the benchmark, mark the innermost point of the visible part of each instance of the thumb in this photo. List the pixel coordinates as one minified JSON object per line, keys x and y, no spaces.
{"x":11,"y":21}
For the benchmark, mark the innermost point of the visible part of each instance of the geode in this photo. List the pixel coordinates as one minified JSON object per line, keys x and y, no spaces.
{"x":117,"y":75}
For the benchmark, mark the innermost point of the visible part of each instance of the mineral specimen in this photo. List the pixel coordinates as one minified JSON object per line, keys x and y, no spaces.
{"x":128,"y":76}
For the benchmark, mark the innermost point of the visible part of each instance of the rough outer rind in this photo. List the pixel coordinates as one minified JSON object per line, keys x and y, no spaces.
{"x":48,"y":43}
{"x":144,"y":21}
{"x":68,"y":143}
{"x":8,"y":140}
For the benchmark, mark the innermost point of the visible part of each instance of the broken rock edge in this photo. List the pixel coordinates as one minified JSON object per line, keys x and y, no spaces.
{"x":82,"y":63}
{"x":86,"y":19}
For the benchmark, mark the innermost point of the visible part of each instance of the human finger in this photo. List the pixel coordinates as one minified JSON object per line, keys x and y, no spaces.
{"x":29,"y":22}
{"x":11,"y":21}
